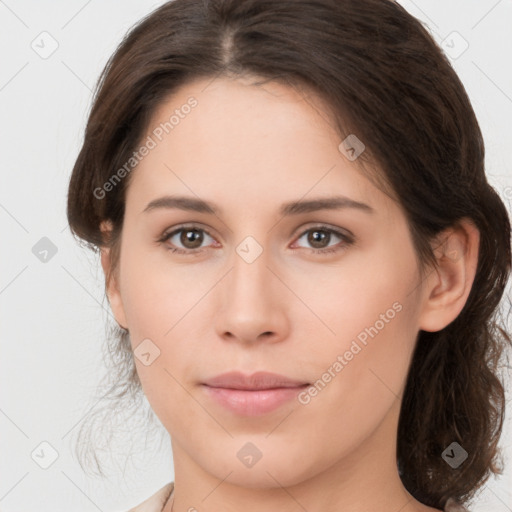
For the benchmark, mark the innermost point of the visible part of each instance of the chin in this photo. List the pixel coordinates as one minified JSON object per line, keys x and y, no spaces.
{"x":274,"y":468}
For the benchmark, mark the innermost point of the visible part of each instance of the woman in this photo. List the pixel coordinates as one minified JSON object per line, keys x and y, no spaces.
{"x":303,"y":252}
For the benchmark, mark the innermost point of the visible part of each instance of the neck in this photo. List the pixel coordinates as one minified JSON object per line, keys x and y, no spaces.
{"x":365,"y":479}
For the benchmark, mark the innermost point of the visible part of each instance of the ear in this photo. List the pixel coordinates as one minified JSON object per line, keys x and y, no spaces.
{"x":111,"y":284}
{"x":447,"y":287}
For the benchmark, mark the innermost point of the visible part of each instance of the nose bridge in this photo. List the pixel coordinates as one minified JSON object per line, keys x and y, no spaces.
{"x":250,"y":303}
{"x":250,"y":276}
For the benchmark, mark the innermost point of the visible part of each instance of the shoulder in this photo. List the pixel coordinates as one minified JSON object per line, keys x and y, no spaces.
{"x":454,"y":506}
{"x":156,"y":502}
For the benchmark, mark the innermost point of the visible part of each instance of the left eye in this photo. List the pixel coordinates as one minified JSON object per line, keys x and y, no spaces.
{"x":191,"y":239}
{"x":321,"y":234}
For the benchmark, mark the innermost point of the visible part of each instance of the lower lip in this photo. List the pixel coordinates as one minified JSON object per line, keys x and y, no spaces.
{"x":253,"y":403}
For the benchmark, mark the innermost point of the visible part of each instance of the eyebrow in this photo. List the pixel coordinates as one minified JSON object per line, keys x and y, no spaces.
{"x":287,"y":209}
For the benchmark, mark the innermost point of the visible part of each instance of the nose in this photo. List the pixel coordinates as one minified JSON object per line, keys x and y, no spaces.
{"x":253,"y":302}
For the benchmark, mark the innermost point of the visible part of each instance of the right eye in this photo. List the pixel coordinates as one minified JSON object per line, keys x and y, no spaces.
{"x":190,"y":237}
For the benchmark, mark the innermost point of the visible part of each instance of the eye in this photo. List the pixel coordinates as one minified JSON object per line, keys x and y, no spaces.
{"x":320,"y":236}
{"x":190,"y":237}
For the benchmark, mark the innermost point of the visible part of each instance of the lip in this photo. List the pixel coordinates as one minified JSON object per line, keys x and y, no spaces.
{"x":252,"y":395}
{"x":253,"y":382}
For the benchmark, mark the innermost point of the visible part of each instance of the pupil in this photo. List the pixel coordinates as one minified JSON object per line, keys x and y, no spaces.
{"x":316,"y":235}
{"x":191,"y":235}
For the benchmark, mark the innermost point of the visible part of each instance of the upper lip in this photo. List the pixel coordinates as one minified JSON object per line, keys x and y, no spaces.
{"x":258,"y":380}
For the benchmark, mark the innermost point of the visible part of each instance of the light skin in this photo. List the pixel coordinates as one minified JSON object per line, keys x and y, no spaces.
{"x":249,"y":149}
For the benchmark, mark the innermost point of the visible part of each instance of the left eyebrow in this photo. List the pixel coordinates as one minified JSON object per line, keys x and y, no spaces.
{"x":287,"y":209}
{"x":328,"y":203}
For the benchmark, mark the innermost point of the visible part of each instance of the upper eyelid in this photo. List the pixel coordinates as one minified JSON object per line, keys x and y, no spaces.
{"x":173,"y":231}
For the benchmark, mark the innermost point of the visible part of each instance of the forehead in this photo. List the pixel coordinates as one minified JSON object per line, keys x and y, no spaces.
{"x":248,"y":143}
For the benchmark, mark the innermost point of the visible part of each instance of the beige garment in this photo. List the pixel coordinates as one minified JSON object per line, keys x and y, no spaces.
{"x":157,"y":502}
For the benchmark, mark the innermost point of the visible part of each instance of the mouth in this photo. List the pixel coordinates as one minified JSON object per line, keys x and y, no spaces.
{"x":248,"y":402}
{"x":252,"y":395}
{"x":253,"y":382}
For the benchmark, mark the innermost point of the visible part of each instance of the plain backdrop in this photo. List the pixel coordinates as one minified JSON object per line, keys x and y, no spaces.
{"x":53,"y":312}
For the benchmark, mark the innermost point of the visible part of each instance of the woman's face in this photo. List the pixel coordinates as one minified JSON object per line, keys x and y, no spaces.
{"x":256,"y":288}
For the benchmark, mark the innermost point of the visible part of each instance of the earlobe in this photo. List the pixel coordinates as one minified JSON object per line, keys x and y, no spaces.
{"x":111,"y":285}
{"x":448,"y":286}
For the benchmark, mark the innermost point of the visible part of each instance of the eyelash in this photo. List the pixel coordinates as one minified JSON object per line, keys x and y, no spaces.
{"x":346,"y":239}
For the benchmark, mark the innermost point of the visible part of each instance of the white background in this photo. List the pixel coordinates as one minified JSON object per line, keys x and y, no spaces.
{"x":52,"y":315}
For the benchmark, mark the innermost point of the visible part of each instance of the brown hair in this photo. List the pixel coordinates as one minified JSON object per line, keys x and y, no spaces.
{"x":385,"y":80}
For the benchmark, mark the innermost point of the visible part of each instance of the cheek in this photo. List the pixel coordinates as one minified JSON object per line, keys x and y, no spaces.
{"x":361,"y":295}
{"x":363,"y":366}
{"x":160,"y":303}
{"x":359,"y":378}
{"x":155,"y":293}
